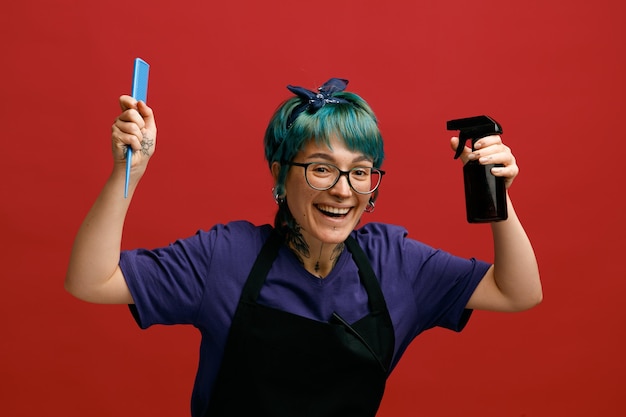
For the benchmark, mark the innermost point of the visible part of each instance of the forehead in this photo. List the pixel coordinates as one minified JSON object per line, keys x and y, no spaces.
{"x":333,"y":149}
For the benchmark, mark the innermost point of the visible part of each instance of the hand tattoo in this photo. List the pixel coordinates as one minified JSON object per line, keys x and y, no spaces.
{"x":146,"y":144}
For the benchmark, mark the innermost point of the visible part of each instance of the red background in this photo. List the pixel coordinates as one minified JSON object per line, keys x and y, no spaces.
{"x":552,"y":73}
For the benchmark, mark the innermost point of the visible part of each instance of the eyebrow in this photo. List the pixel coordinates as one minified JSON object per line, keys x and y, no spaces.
{"x":329,"y":158}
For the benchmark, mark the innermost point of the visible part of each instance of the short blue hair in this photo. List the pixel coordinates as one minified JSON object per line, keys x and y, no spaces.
{"x":353,"y":122}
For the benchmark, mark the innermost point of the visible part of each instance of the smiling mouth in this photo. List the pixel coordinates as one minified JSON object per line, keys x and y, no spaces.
{"x":333,"y":211}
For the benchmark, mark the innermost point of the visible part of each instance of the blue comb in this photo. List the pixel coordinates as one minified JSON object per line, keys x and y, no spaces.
{"x":140,"y":93}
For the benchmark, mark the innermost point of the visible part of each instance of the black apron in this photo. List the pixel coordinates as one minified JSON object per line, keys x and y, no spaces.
{"x":278,"y":364}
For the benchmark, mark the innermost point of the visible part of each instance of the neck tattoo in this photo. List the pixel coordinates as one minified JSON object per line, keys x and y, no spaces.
{"x":317,"y":264}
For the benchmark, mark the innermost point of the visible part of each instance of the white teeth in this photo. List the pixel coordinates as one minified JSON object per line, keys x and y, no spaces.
{"x":333,"y":210}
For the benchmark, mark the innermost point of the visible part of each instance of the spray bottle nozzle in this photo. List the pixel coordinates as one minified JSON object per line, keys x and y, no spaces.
{"x":473,"y":128}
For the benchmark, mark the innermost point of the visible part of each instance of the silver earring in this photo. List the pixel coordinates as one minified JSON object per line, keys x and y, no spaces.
{"x":370,"y":206}
{"x":280,"y":199}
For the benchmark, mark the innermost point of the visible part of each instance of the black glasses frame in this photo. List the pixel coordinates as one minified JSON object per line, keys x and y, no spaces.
{"x":345,"y":173}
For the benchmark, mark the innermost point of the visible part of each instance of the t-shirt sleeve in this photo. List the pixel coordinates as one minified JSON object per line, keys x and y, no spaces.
{"x":439,"y":283}
{"x":443,"y":284}
{"x":167,"y":284}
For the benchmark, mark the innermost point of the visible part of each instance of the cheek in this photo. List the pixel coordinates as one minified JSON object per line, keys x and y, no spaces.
{"x":364,"y":200}
{"x":299,"y":200}
{"x":297,"y":190}
{"x":293,"y":183}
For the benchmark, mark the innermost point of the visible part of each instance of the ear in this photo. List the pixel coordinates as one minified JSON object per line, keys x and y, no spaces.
{"x":275,"y":170}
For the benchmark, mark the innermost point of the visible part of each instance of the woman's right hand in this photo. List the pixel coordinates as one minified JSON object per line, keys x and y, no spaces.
{"x":134,"y":127}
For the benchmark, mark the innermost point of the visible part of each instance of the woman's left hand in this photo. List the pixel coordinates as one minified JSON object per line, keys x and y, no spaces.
{"x":491,"y":150}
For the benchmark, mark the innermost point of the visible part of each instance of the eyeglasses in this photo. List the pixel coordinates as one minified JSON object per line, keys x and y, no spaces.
{"x":323,"y":176}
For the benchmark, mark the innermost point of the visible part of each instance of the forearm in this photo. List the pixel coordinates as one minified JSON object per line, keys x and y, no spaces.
{"x":515,"y":270}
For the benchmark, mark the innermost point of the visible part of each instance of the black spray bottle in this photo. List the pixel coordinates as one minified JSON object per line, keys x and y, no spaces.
{"x":485,"y":194}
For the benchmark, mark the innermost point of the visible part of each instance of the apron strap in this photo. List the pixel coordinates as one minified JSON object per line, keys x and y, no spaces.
{"x":261,"y":267}
{"x":368,"y":277}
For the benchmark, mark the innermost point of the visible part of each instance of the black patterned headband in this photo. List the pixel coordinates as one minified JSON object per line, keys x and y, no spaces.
{"x":312,"y":101}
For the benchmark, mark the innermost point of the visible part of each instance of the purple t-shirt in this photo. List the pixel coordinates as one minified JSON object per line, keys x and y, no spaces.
{"x":198,"y":281}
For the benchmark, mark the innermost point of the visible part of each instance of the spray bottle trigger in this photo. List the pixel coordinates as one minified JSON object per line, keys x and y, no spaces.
{"x":463,"y":137}
{"x":473,"y":128}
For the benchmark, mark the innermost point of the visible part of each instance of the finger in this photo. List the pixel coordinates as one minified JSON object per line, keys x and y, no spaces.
{"x":487,"y":141}
{"x":132,"y":127}
{"x":126,"y":134}
{"x":509,"y":173}
{"x":454,"y":144}
{"x":497,"y":154}
{"x":147,"y":115}
{"x":129,"y":129}
{"x":127,"y":102}
{"x":132,"y":116}
{"x":123,"y":138}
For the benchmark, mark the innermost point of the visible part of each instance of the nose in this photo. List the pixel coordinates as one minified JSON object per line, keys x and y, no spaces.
{"x":342,"y":187}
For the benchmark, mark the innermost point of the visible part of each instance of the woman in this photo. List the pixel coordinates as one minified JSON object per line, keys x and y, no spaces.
{"x":309,"y":317}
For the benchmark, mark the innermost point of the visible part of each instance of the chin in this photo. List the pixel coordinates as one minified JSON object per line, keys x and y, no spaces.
{"x":336,"y":236}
